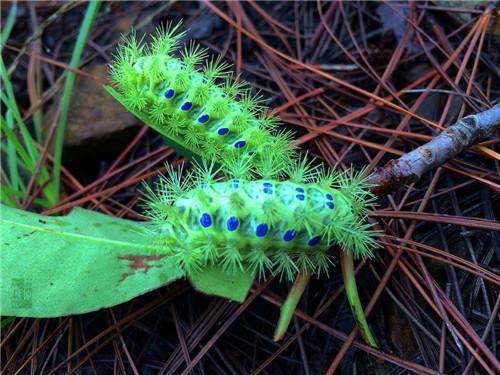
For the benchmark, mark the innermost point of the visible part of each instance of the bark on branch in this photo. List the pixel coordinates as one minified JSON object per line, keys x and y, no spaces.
{"x":465,"y":133}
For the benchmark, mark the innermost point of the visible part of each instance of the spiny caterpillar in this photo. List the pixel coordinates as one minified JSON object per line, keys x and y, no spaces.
{"x":281,"y":226}
{"x":204,"y":111}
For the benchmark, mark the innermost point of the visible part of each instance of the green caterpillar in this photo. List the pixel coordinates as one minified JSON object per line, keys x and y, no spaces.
{"x":203,"y":111}
{"x":271,"y":211}
{"x":284,"y":227}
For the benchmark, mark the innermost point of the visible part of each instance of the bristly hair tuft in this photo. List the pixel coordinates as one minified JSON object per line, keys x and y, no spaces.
{"x":270,"y":121}
{"x":166,"y":39}
{"x":352,"y":234}
{"x":173,"y":184}
{"x":235,"y":86}
{"x":205,"y":173}
{"x":356,"y":185}
{"x":259,"y":262}
{"x":285,"y":265}
{"x":303,"y":170}
{"x":216,"y":68}
{"x":193,"y":54}
{"x":130,"y":48}
{"x":238,"y":167}
{"x":271,"y":166}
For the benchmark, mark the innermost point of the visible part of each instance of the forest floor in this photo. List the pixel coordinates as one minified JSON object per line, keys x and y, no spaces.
{"x":432,"y":309}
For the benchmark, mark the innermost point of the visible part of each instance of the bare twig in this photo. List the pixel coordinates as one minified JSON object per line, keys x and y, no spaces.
{"x":465,"y":133}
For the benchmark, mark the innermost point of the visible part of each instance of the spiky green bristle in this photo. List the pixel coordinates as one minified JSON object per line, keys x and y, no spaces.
{"x":284,"y":227}
{"x":193,"y":101}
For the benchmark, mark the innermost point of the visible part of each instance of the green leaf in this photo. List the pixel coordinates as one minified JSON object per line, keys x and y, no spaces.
{"x":8,"y":25}
{"x":53,"y":266}
{"x":215,"y":281}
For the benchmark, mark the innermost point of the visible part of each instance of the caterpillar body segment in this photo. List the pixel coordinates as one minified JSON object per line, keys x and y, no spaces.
{"x":284,"y":227}
{"x":205,"y":111}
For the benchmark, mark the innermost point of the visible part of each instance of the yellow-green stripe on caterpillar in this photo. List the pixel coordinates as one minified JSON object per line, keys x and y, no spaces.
{"x":281,"y":226}
{"x":197,"y":106}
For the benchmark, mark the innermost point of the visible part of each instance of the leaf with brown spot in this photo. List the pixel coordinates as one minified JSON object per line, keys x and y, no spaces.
{"x":53,"y":266}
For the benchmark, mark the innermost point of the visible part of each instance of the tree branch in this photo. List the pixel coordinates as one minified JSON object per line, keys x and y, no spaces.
{"x":465,"y":133}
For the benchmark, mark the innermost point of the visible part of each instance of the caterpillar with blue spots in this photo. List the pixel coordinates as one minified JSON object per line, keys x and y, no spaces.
{"x":268,"y":225}
{"x":195,"y":102}
{"x":264,"y":208}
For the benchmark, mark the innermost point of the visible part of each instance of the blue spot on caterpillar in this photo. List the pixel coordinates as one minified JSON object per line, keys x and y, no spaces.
{"x":205,"y":220}
{"x":289,"y":235}
{"x":232,"y":223}
{"x":169,"y":94}
{"x":186,"y":106}
{"x":203,"y":119}
{"x":314,"y":241}
{"x":267,"y":232}
{"x":261,"y":230}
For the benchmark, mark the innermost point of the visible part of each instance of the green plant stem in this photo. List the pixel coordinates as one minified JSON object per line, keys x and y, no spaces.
{"x":15,"y":180}
{"x":26,"y":153}
{"x":347,"y":264}
{"x":87,"y":23}
{"x":6,"y":321}
{"x":9,"y":100}
{"x":288,"y":307}
{"x":8,"y":25}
